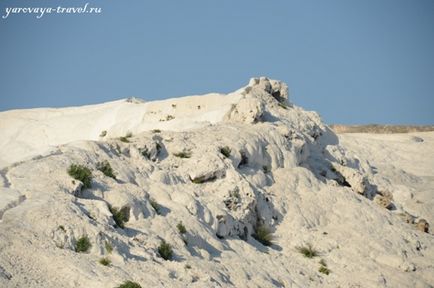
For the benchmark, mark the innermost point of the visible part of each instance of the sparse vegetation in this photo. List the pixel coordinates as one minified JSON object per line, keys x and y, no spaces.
{"x":226,"y":151}
{"x":125,"y":138}
{"x":155,"y":205}
{"x":108,"y":247}
{"x":120,"y":216}
{"x":103,"y":133}
{"x":129,"y":284}
{"x":106,"y":169}
{"x":203,"y":179}
{"x":61,"y":227}
{"x":156,"y":131}
{"x":308,"y":251}
{"x":323,"y":268}
{"x":83,"y":244}
{"x":182,"y":154}
{"x":165,"y":250}
{"x":81,"y":173}
{"x":105,"y":261}
{"x":266,"y":169}
{"x":168,"y":118}
{"x":282,"y":105}
{"x":233,"y":200}
{"x":263,"y":235}
{"x":181,"y":228}
{"x":187,"y":266}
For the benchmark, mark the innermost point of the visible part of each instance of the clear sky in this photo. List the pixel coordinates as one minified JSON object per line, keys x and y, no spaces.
{"x":366,"y":61}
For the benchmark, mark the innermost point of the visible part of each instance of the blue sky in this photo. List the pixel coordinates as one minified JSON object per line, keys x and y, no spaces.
{"x":369,"y":61}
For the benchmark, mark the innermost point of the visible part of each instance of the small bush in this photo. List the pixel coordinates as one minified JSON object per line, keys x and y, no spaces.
{"x":265,"y":169}
{"x":203,"y":179}
{"x":155,"y":205}
{"x":103,"y":133}
{"x":324,"y":270}
{"x":120,"y":216}
{"x":105,"y":261}
{"x":129,"y":284}
{"x":83,"y":244}
{"x":226,"y":151}
{"x":61,"y":227}
{"x":156,"y":131}
{"x":263,"y":235}
{"x":181,"y":228}
{"x":308,"y":251}
{"x":283,"y":106}
{"x":183,"y":154}
{"x":125,"y":138}
{"x":81,"y":173}
{"x":106,"y":169}
{"x":165,"y":250}
{"x":108,"y":247}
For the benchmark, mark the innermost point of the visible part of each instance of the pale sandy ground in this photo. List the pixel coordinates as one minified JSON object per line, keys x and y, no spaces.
{"x":299,"y":179}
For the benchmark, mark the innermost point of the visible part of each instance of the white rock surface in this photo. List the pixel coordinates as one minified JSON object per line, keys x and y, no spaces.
{"x":286,"y":171}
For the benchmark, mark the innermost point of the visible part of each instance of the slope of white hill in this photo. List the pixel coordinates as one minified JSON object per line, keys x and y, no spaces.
{"x":230,"y":168}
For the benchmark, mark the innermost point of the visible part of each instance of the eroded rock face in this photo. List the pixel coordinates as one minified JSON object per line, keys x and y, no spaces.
{"x":282,"y":169}
{"x":248,"y":110}
{"x":252,"y":108}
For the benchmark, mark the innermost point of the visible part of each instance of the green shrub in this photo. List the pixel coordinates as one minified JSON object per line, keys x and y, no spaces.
{"x":308,"y":251}
{"x":105,"y":261}
{"x":120,"y":216}
{"x":61,"y":227}
{"x":103,"y":133}
{"x":203,"y":179}
{"x":263,"y":235}
{"x":81,"y":173}
{"x":183,"y":154}
{"x":83,"y":244}
{"x":181,"y":228}
{"x":226,"y":151}
{"x":106,"y":169}
{"x":324,"y":270}
{"x":129,"y":284}
{"x":156,"y":131}
{"x":165,"y":250}
{"x":282,"y":105}
{"x":125,"y":138}
{"x":108,"y":247}
{"x":155,"y":205}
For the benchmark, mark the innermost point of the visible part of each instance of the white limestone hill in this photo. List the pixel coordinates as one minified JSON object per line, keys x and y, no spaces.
{"x":252,"y":178}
